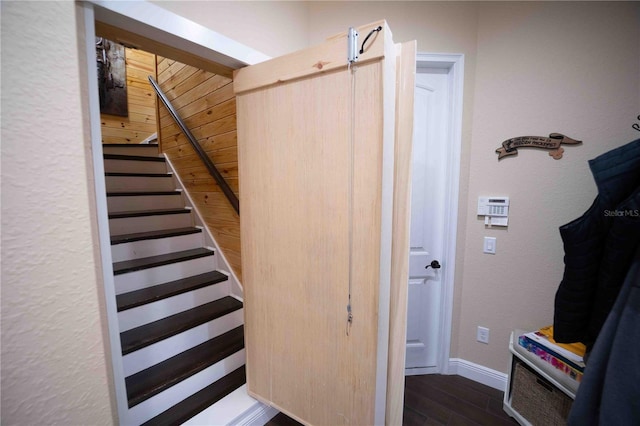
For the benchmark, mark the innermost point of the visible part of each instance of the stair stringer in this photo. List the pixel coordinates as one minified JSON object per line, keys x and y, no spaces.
{"x":223,"y":264}
{"x":237,"y":408}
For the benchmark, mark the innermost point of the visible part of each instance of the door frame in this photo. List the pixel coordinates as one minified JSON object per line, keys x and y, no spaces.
{"x":152,"y":22}
{"x":454,"y":64}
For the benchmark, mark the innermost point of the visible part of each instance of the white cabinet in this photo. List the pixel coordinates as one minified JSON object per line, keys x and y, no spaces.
{"x":537,"y":393}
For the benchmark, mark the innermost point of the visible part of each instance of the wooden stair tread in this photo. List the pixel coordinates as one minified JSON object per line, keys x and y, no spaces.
{"x":140,"y":213}
{"x":142,"y":193}
{"x":125,"y":174}
{"x":162,"y":291}
{"x":159,"y":377}
{"x":159,"y":260}
{"x":147,"y":383}
{"x":133,"y":158}
{"x":148,"y":334}
{"x":201,"y":400}
{"x":132,"y":145}
{"x":152,"y":235}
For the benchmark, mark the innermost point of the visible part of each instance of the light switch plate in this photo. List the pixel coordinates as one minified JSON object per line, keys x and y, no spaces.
{"x":489,"y":245}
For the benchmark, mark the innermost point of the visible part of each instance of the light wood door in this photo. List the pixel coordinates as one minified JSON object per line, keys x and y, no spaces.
{"x":405,"y":76}
{"x":316,"y":150}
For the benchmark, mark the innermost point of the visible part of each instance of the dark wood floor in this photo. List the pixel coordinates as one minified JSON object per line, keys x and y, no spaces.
{"x":443,"y":400}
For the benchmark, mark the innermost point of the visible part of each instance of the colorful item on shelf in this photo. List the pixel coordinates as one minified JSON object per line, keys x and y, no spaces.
{"x":577,"y":348}
{"x":542,"y":340}
{"x":565,"y":366}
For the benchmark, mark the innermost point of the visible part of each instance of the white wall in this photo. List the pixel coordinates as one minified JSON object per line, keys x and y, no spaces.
{"x":54,"y":368}
{"x":271,"y":27}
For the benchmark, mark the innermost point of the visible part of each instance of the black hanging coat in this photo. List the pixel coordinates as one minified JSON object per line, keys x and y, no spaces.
{"x":599,"y":247}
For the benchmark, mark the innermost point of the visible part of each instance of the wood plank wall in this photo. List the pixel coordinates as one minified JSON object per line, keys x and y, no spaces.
{"x":206,"y":103}
{"x":141,"y":122}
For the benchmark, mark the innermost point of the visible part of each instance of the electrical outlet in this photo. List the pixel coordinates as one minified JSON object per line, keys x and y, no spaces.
{"x":483,"y":335}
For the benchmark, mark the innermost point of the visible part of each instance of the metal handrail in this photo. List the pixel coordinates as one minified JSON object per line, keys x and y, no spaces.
{"x":231,"y":196}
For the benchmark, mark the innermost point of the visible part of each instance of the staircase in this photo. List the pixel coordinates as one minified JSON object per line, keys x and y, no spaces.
{"x":181,"y":330}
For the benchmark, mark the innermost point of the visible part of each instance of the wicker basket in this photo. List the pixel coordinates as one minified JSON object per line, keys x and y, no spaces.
{"x":537,"y":400}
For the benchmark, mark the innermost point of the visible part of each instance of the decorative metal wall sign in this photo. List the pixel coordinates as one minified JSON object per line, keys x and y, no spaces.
{"x":553,"y":142}
{"x":636,"y":126}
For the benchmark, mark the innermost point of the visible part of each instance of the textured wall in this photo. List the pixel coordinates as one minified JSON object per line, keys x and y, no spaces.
{"x":207,"y":105}
{"x":141,"y":100}
{"x":54,"y":369}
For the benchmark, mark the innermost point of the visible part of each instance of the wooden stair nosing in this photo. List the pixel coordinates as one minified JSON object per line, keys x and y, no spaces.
{"x":125,"y":174}
{"x":141,"y":297}
{"x":153,"y":380}
{"x":153,"y":332}
{"x":159,"y":260}
{"x":152,"y":235}
{"x":133,"y":158}
{"x":200,"y":400}
{"x":143,"y":193}
{"x":132,"y":145}
{"x":142,"y":213}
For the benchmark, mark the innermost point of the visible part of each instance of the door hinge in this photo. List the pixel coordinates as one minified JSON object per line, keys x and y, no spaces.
{"x":352,"y":46}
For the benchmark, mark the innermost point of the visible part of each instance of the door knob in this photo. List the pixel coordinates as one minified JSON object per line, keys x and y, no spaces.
{"x":434,"y":264}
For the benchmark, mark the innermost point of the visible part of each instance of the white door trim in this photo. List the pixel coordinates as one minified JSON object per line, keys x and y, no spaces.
{"x":151,"y":21}
{"x":99,"y":186}
{"x":455,"y":64}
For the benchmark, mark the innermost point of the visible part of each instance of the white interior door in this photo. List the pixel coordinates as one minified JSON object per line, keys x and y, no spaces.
{"x":427,"y":220}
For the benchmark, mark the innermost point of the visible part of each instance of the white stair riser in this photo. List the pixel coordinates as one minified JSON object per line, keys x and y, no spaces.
{"x":165,"y":349}
{"x":129,"y":225}
{"x":140,"y":150}
{"x":144,"y":202}
{"x":139,"y":183}
{"x":157,"y":404}
{"x":135,"y":317}
{"x":237,"y":408}
{"x":133,"y":166}
{"x":163,"y":274}
{"x":147,"y":248}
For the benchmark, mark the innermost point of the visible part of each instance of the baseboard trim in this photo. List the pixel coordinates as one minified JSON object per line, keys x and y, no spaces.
{"x":478,"y":373}
{"x":258,"y":414}
{"x":420,"y":371}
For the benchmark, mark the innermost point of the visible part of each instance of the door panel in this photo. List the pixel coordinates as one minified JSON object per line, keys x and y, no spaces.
{"x":302,"y":221}
{"x":297,"y":249}
{"x":419,"y":344}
